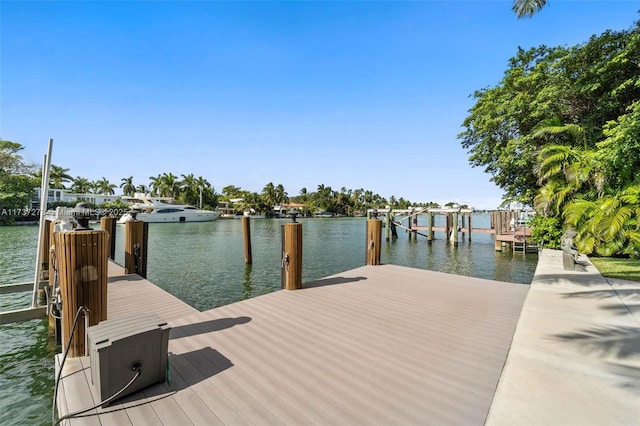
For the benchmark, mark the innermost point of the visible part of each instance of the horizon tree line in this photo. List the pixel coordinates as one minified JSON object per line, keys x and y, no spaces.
{"x":197,"y":191}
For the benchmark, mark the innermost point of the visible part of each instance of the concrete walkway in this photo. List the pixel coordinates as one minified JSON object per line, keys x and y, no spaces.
{"x":575,"y":355}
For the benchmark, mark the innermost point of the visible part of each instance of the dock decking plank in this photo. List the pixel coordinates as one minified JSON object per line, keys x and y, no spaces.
{"x":375,"y":345}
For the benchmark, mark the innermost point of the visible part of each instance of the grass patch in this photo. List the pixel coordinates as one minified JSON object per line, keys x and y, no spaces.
{"x":624,"y":269}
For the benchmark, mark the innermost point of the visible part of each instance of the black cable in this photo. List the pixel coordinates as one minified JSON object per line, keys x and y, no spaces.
{"x":137,"y":368}
{"x":64,"y":358}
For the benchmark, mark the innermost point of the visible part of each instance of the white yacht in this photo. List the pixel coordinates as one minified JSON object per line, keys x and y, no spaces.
{"x":161,"y":210}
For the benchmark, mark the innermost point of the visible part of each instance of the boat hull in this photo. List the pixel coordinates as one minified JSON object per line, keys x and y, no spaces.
{"x":206,"y":216}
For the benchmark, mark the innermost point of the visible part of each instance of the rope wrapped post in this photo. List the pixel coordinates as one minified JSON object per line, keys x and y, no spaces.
{"x":246,"y":232}
{"x":374,"y":239}
{"x":292,"y":254}
{"x":136,"y":236}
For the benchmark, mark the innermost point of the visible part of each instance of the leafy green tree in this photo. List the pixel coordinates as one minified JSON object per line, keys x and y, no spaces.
{"x":16,"y":184}
{"x":546,"y":231}
{"x":16,"y":192}
{"x":619,"y":151}
{"x":11,"y":162}
{"x":581,"y":87}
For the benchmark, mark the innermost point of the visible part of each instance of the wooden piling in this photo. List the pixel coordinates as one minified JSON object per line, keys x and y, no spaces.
{"x":292,"y":256}
{"x":447,"y":226}
{"x":415,"y":226}
{"x":497,"y":224}
{"x":430,"y":217}
{"x":246,"y":233}
{"x":374,"y":241}
{"x":109,"y":224}
{"x":454,"y":229}
{"x":82,"y":271}
{"x":387,"y":225}
{"x":136,"y":236}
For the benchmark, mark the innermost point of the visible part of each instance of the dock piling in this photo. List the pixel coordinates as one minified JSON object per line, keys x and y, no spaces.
{"x":108,"y":224}
{"x":292,"y":256}
{"x":374,"y":240}
{"x":136,"y":236}
{"x":82,"y":270}
{"x":246,"y":233}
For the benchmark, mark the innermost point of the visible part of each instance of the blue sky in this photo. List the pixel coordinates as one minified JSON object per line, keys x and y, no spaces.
{"x":355,"y":94}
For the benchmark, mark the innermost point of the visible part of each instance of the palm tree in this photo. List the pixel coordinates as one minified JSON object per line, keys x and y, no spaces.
{"x":169,"y":185}
{"x":81,"y":185}
{"x":524,"y":8}
{"x":608,"y":224}
{"x":103,"y":186}
{"x":142,"y":188}
{"x":128,"y":188}
{"x":155,"y":182}
{"x":231,"y":191}
{"x":564,"y":171}
{"x":269,"y":194}
{"x":58,"y":176}
{"x":189,"y":189}
{"x":208,"y":196}
{"x":281,"y":195}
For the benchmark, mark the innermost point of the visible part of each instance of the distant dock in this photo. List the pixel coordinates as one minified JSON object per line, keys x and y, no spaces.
{"x":508,"y":227}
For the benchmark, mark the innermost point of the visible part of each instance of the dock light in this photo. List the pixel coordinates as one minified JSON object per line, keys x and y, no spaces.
{"x":82,"y":214}
{"x":293,"y":213}
{"x":374,"y":213}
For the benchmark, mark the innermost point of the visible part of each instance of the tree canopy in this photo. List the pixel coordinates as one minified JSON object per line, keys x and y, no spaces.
{"x":561,"y":132}
{"x":591,"y":87}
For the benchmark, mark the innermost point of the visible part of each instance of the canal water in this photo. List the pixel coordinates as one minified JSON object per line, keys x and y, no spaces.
{"x":203,"y":265}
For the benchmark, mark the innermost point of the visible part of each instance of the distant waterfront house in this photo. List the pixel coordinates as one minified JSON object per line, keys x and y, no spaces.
{"x":66,"y":196}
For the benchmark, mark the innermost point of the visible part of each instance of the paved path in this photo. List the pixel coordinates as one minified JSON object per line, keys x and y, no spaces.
{"x":575,"y":355}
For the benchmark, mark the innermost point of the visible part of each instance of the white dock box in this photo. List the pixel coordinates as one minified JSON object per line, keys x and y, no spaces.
{"x":116,"y":345}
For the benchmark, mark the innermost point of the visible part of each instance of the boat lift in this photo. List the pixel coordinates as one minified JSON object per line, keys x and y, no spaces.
{"x":36,"y":310}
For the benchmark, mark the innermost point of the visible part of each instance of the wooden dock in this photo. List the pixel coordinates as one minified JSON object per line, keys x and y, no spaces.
{"x":374,"y":345}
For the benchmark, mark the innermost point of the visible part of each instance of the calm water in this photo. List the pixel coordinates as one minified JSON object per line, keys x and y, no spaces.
{"x":203,"y":265}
